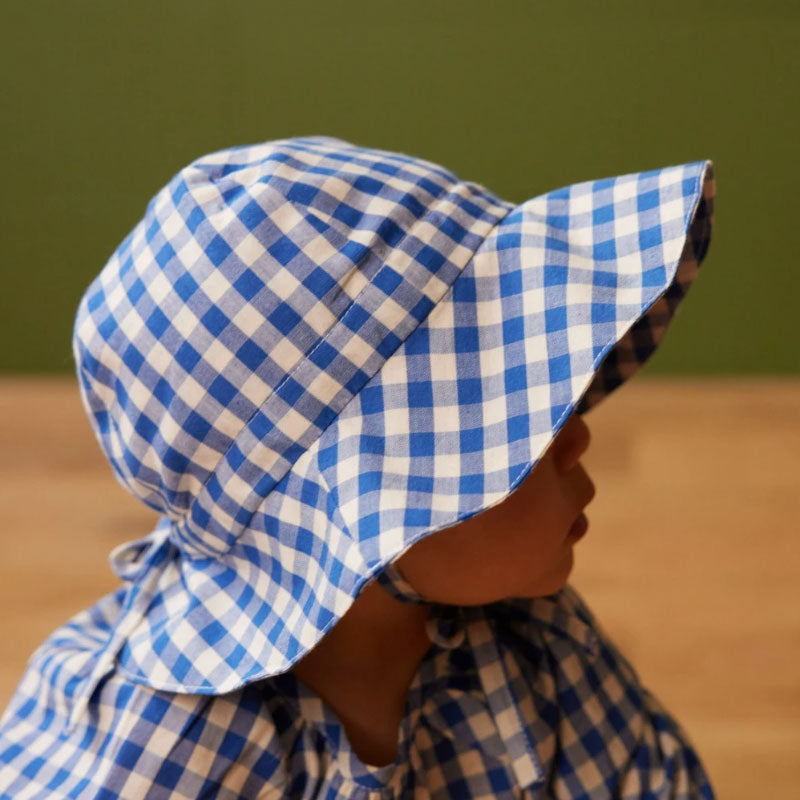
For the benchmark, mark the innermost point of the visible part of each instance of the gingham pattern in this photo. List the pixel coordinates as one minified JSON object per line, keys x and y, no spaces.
{"x":262,"y":289}
{"x":309,"y":355}
{"x":527,"y":699}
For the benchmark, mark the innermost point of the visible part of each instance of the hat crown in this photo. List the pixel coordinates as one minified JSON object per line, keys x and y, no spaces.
{"x":263,"y":287}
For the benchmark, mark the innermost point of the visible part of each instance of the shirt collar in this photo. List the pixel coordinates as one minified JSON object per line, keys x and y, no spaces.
{"x":561,"y":613}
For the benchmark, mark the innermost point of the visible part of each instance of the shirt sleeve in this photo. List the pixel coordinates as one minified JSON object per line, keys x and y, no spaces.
{"x":132,"y":742}
{"x":663,"y":763}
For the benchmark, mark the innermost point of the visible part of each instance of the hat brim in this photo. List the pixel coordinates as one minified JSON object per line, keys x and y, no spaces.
{"x":569,"y":294}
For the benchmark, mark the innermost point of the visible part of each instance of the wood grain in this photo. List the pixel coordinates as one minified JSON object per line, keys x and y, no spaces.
{"x":691,"y":562}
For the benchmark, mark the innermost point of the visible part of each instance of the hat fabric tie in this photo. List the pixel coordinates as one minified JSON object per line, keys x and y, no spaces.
{"x":391,"y":579}
{"x":446,"y":623}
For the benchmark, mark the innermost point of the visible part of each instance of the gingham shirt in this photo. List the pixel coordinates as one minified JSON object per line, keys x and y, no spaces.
{"x":517,"y":699}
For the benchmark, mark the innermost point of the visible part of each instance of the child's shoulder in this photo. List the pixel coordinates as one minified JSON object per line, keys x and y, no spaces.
{"x":73,"y":704}
{"x":576,"y":673}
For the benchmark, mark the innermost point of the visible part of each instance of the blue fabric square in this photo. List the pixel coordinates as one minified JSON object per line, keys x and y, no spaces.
{"x":356,"y":317}
{"x":554,"y":275}
{"x":222,"y":390}
{"x":215,"y":320}
{"x":218,"y":250}
{"x":319,"y":282}
{"x":421,"y":309}
{"x":252,"y":215}
{"x":510,"y":283}
{"x":323,"y":354}
{"x":648,"y":200}
{"x":559,"y":368}
{"x":420,"y":394}
{"x":516,"y":379}
{"x":650,"y":237}
{"x":604,"y":278}
{"x":412,"y":204}
{"x":187,"y":357}
{"x":133,"y":359}
{"x":347,"y":215}
{"x":417,"y":517}
{"x":371,"y":398}
{"x":157,"y":323}
{"x":431,"y":258}
{"x":518,"y":427}
{"x":283,"y":250}
{"x":513,"y":330}
{"x":420,"y":483}
{"x":555,"y":319}
{"x":558,"y":221}
{"x":452,"y":229}
{"x":251,"y":355}
{"x":196,"y":216}
{"x":248,"y":284}
{"x":368,"y":185}
{"x":509,"y":241}
{"x":603,"y":214}
{"x":464,"y":290}
{"x":390,"y":232}
{"x":654,"y":277}
{"x":302,"y":193}
{"x":470,"y":390}
{"x":466,"y":340}
{"x":369,"y":481}
{"x":471,"y":440}
{"x":284,"y":318}
{"x":371,"y":444}
{"x":421,"y":444}
{"x":605,"y":251}
{"x":387,"y":280}
{"x":165,"y":255}
{"x":603,"y":312}
{"x":291,"y":391}
{"x":184,"y":287}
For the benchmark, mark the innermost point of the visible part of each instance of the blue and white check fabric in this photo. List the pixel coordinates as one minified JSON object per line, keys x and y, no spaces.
{"x":308,"y":355}
{"x":516,"y":700}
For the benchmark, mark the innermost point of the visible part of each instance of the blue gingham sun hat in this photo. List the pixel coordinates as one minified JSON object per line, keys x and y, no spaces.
{"x":309,"y":355}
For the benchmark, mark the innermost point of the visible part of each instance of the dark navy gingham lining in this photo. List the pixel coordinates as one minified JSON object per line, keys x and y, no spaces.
{"x":625,"y":357}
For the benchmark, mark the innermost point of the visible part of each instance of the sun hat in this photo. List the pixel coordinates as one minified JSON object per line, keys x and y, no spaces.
{"x":309,"y":355}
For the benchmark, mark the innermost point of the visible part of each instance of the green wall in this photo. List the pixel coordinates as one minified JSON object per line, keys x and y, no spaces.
{"x":102,"y":102}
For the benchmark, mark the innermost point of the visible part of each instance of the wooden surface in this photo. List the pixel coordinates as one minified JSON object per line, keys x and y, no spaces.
{"x":691,"y":562}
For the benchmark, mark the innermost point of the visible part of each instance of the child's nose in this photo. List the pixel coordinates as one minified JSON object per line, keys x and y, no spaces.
{"x":571,"y":443}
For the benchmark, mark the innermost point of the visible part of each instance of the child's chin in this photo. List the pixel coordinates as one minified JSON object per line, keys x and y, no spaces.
{"x":555,"y":580}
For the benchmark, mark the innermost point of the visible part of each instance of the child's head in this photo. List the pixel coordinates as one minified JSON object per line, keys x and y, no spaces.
{"x":517,"y":548}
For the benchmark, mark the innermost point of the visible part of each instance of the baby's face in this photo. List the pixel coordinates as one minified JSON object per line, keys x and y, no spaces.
{"x":518,"y":548}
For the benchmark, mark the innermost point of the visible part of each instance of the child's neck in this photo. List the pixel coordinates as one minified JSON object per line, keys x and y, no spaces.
{"x":364,"y":666}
